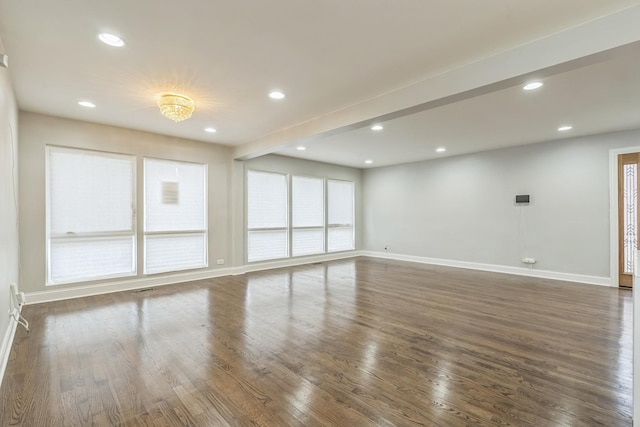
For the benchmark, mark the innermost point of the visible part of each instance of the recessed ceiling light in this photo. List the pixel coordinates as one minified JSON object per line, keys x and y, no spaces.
{"x":532,"y":86}
{"x":210,"y":130}
{"x":440,"y":150}
{"x":111,"y":39}
{"x":87,"y":104}
{"x":377,"y":128}
{"x":301,"y":148}
{"x":565,"y":128}
{"x":276,"y":94}
{"x":368,"y":161}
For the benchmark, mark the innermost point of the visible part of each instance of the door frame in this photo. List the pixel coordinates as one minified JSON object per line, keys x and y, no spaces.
{"x":613,"y":209}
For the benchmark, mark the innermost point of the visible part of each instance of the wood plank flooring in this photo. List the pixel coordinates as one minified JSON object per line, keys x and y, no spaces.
{"x":356,"y":342}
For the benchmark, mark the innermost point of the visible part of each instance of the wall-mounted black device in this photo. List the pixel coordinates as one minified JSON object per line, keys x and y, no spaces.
{"x":522,"y":198}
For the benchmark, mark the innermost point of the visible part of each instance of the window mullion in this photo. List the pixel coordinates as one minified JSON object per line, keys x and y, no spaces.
{"x":289,"y":215}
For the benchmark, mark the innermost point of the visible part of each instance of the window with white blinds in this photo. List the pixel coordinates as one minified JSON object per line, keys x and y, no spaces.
{"x":90,"y":213}
{"x":314,"y":222}
{"x":340,"y":236}
{"x":267,"y":216}
{"x":307,"y":215}
{"x":175,"y":216}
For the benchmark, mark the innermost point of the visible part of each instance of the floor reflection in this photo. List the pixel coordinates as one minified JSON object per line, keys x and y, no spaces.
{"x":353,"y":342}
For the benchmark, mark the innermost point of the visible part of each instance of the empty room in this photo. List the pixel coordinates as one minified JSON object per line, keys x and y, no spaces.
{"x":319,"y":213}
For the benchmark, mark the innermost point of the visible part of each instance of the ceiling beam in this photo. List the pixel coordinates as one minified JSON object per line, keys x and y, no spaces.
{"x":594,"y":41}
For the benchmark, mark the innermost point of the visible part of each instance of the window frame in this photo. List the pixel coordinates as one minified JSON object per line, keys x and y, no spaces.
{"x":323,"y":227}
{"x":336,"y":226}
{"x":290,"y":228}
{"x":145,"y":233}
{"x":99,"y":235}
{"x":286,"y":228}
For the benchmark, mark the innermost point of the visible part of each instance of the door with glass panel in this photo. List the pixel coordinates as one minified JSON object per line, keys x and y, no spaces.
{"x":627,"y":216}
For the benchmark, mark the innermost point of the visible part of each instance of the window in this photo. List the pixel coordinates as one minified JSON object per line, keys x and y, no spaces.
{"x":267,"y":216}
{"x":175,"y":216}
{"x":307,"y":215}
{"x":307,"y":226}
{"x":340,"y":221}
{"x":90,"y":214}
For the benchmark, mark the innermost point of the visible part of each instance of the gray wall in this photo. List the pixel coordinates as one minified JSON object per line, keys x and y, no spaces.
{"x":462,"y":208}
{"x":37,"y":131}
{"x":9,"y":271}
{"x":226,"y":185}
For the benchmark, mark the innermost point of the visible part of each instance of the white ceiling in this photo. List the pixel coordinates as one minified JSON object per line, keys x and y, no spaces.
{"x":327,"y":56}
{"x":598,"y":98}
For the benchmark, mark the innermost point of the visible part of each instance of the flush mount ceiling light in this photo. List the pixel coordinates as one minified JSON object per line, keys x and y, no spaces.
{"x":210,"y":130}
{"x":175,"y":106}
{"x":87,"y":104}
{"x":301,"y":148}
{"x":111,"y":40}
{"x":565,"y":128}
{"x":276,"y":94}
{"x":440,"y":150}
{"x":377,"y":128}
{"x":368,"y":162}
{"x":533,"y":86}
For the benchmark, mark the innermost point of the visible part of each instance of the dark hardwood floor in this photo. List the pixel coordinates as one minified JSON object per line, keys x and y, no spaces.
{"x":344,"y":343}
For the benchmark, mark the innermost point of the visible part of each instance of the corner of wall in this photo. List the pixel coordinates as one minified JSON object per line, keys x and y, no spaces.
{"x":9,"y":246}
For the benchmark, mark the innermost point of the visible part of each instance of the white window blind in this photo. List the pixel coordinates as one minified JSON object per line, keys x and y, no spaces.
{"x":90,"y":215}
{"x":267,"y":216}
{"x":175,"y":216}
{"x":340,"y":197}
{"x":307,"y":215}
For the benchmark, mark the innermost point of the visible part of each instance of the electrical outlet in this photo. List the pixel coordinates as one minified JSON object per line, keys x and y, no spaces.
{"x":528,"y":260}
{"x":220,"y":262}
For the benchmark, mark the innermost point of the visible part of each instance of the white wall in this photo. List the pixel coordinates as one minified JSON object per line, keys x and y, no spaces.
{"x":462,"y":208}
{"x":9,"y":271}
{"x":37,"y":131}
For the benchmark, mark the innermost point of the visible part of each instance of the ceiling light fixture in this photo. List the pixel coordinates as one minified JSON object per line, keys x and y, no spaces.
{"x":440,"y":150}
{"x":377,"y":128}
{"x":533,"y":86}
{"x":565,"y":128}
{"x":301,"y":148}
{"x":276,"y":94}
{"x":87,"y":104}
{"x":111,"y":40}
{"x":175,"y":106}
{"x":210,"y":130}
{"x":368,"y":162}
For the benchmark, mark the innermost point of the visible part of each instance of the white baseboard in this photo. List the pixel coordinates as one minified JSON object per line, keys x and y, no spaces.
{"x":520,"y":271}
{"x":7,"y":343}
{"x":55,"y":293}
